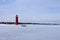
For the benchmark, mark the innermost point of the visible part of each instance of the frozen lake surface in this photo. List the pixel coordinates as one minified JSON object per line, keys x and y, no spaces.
{"x":31,"y":32}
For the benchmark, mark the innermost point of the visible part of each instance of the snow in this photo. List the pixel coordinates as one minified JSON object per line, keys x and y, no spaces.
{"x":31,"y":32}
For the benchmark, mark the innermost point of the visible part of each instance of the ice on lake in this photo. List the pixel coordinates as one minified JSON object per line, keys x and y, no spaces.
{"x":31,"y":32}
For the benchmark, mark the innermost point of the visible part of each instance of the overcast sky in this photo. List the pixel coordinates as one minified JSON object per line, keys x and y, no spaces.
{"x":30,"y":10}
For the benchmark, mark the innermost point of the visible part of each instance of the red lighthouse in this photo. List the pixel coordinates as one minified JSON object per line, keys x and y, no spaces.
{"x":16,"y":20}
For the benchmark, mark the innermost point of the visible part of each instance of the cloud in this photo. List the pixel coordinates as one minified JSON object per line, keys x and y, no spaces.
{"x":40,"y":10}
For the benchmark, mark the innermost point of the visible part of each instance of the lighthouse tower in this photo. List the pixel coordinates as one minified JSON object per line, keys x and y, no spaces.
{"x":16,"y":19}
